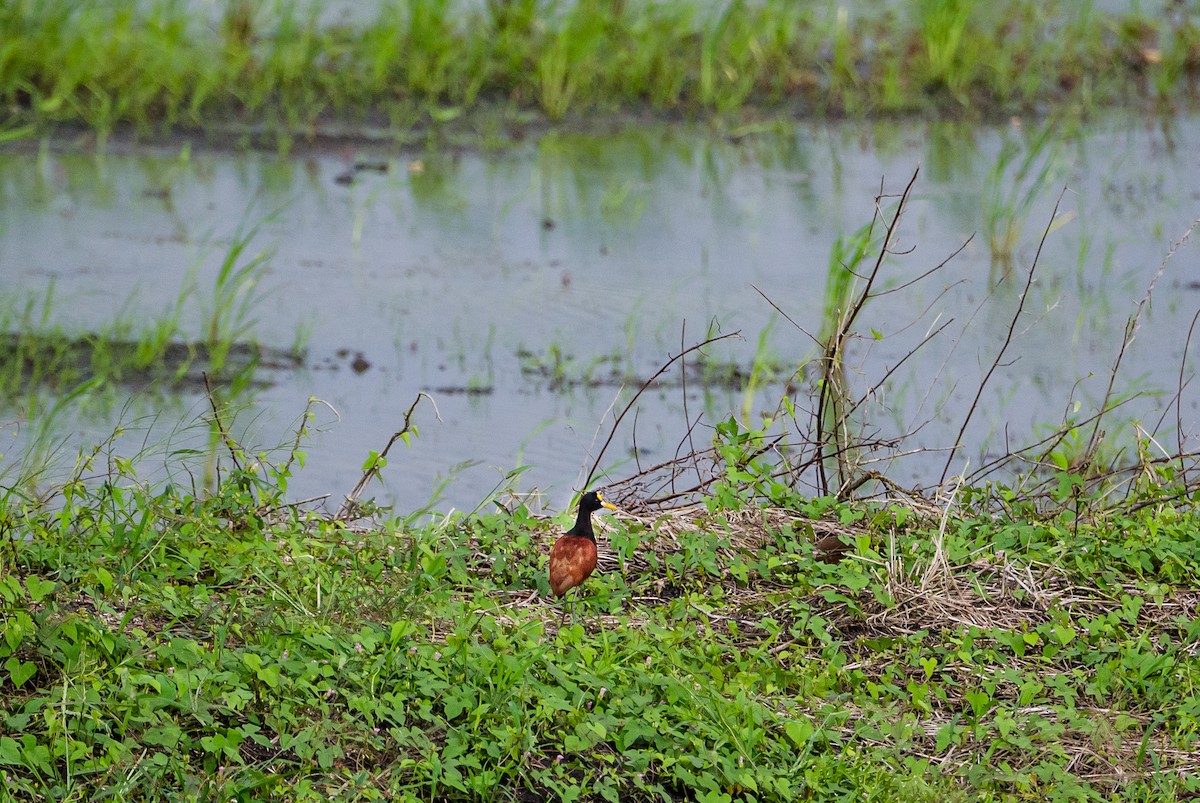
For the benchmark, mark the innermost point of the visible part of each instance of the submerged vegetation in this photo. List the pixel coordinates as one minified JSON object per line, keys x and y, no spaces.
{"x":287,"y":70}
{"x":157,"y":353}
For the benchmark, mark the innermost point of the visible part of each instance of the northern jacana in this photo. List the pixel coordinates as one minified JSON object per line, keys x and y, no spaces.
{"x":573,"y":556}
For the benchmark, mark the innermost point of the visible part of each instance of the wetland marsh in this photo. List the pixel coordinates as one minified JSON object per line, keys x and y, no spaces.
{"x":917,"y":522}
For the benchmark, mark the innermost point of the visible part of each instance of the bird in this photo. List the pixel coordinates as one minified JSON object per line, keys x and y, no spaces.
{"x":573,"y":556}
{"x":831,"y":548}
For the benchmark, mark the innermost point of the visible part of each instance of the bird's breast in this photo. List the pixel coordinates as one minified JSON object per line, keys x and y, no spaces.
{"x":572,"y":560}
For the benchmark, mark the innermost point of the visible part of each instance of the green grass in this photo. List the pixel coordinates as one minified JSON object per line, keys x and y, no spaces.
{"x":1029,"y":641}
{"x":161,"y":645}
{"x":273,"y":69}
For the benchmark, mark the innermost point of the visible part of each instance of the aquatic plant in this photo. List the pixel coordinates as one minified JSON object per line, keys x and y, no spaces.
{"x":943,"y":25}
{"x":236,"y":298}
{"x":276,"y":73}
{"x":39,"y":355}
{"x":1021,"y":174}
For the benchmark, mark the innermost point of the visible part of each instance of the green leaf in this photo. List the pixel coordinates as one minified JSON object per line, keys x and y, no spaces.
{"x":105,"y":578}
{"x":372,"y":461}
{"x":455,"y":706}
{"x":10,"y":588}
{"x":980,"y":701}
{"x":167,"y":736}
{"x":38,"y":588}
{"x":20,"y":671}
{"x":269,"y":675}
{"x":1064,"y":633}
{"x":945,"y":737}
{"x":1124,"y":722}
{"x":13,"y":134}
{"x":10,"y":751}
{"x":15,"y":628}
{"x":444,"y":114}
{"x":929,"y":665}
{"x":856,"y":582}
{"x":800,"y":731}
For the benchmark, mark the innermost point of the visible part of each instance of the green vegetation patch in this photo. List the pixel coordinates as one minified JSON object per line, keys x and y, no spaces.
{"x":558,"y":370}
{"x":158,"y":643}
{"x":208,"y":638}
{"x":62,"y":361}
{"x":279,"y":68}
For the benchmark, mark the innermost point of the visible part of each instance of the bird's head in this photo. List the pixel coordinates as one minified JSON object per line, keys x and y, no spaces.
{"x":592,"y":500}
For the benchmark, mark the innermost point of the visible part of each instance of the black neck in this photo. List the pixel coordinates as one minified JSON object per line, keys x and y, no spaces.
{"x":583,"y":525}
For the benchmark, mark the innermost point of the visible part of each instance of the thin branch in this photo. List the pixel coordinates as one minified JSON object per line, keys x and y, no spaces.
{"x":687,"y":437}
{"x":226,"y":438}
{"x":1007,"y":340}
{"x":862,"y":399}
{"x":785,"y":315}
{"x":683,"y":392}
{"x":637,"y":460}
{"x":350,"y":503}
{"x":1131,"y":327}
{"x":929,"y":272}
{"x":1053,"y":439}
{"x":592,"y":472}
{"x":883,"y":252}
{"x":1171,"y":404}
{"x":835,"y":348}
{"x":302,"y":430}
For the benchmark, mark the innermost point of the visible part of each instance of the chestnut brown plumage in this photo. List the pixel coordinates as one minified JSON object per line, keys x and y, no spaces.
{"x":830,"y":549}
{"x":573,"y":556}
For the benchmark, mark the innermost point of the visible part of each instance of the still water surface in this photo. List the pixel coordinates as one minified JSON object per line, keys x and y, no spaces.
{"x":442,"y":270}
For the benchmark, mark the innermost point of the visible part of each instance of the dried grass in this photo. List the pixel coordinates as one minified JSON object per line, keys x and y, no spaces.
{"x":992,"y":591}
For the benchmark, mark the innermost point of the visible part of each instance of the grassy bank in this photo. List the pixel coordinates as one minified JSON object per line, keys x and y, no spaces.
{"x":159,"y":644}
{"x":278,"y":68}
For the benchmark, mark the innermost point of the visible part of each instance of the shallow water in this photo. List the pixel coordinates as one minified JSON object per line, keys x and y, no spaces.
{"x":442,"y":269}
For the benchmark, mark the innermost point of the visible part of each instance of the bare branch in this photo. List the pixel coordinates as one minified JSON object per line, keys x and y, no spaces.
{"x":592,"y":472}
{"x":226,"y":438}
{"x":1007,"y":340}
{"x":1131,"y":328}
{"x":831,"y":390}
